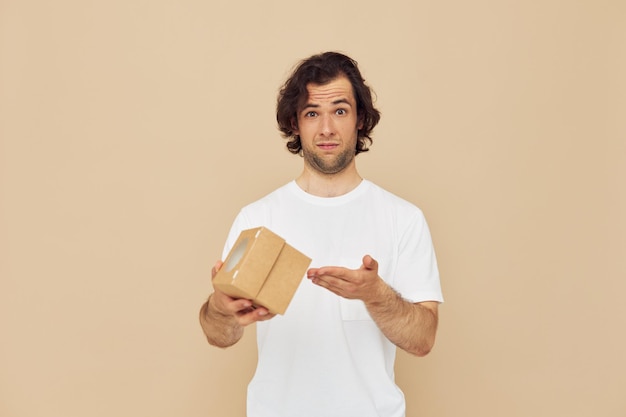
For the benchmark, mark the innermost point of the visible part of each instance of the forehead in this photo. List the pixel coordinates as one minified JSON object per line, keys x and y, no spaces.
{"x":338,"y":88}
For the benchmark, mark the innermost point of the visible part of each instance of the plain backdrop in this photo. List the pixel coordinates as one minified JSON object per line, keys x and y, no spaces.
{"x":132,"y":131}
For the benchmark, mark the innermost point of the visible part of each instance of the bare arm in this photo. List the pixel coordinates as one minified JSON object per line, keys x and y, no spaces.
{"x":223,"y":318}
{"x":410,"y":326}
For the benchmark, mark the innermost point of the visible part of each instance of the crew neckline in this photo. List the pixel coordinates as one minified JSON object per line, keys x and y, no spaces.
{"x":294,"y":188}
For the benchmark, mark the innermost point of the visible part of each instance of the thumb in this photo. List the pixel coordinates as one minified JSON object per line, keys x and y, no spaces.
{"x":216,"y":268}
{"x":370,"y":263}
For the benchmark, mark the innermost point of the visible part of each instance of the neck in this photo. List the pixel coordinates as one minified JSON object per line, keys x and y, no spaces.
{"x":328,"y":185}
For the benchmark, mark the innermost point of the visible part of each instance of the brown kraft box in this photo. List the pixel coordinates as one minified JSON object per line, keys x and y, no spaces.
{"x":263,"y":268}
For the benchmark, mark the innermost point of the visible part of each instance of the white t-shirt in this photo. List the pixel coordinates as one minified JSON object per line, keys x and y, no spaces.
{"x":326,"y":357}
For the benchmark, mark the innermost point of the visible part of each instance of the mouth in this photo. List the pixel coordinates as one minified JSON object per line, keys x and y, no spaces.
{"x":327,"y":146}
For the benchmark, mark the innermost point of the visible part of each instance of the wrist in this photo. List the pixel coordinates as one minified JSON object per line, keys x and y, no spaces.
{"x":381,"y":295}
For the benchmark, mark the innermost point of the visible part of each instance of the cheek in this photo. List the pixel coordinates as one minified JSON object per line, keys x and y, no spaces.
{"x":306,"y":128}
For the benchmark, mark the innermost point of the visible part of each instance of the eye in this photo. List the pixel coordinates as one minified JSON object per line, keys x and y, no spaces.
{"x":341,"y":112}
{"x":310,"y":114}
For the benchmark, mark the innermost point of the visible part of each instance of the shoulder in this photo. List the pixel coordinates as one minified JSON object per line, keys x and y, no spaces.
{"x":255,"y":214}
{"x":272,"y":198}
{"x":405,"y":216}
{"x":391,"y":200}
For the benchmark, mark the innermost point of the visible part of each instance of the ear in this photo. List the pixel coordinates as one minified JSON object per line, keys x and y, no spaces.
{"x":294,"y":126}
{"x":359,"y":123}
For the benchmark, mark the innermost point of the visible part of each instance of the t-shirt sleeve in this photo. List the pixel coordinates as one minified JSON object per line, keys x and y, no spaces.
{"x":239,"y":224}
{"x":417,"y":274}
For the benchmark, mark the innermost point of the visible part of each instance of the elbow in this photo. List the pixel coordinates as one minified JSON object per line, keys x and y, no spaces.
{"x":220,"y":343}
{"x":422,"y":349}
{"x":421,"y":352}
{"x":223,"y":340}
{"x":220,"y":339}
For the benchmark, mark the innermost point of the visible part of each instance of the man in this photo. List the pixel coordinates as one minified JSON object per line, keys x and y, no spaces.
{"x":373,"y":284}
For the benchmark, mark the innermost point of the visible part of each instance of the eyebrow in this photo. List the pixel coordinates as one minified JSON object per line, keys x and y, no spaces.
{"x":338,"y":101}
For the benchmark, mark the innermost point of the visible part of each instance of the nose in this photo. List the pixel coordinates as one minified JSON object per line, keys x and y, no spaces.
{"x":327,"y":127}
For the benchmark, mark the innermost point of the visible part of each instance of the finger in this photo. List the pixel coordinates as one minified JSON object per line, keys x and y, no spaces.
{"x":253,"y":315}
{"x":216,"y":267}
{"x":238,"y":306}
{"x":331,"y":283}
{"x":229,"y":305}
{"x":312,"y":272}
{"x":331,"y":271}
{"x":370,"y":263}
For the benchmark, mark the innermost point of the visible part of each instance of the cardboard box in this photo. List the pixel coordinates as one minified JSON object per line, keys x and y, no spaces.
{"x":263,"y":268}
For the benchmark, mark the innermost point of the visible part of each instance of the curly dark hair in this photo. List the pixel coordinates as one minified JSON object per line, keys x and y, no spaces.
{"x":322,"y":69}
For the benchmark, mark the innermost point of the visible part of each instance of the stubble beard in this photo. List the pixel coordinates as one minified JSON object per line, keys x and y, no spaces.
{"x":332,"y":166}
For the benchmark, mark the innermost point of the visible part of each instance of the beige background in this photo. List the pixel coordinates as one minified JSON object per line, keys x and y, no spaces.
{"x":132,"y":131}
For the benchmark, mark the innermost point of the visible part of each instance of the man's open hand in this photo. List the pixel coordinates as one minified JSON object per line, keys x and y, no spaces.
{"x":362,"y":284}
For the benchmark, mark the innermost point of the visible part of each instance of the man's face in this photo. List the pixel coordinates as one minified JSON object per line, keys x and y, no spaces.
{"x":328,"y":125}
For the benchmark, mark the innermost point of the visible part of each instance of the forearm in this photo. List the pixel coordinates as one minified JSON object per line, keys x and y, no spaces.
{"x":410,"y":326}
{"x":220,"y":330}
